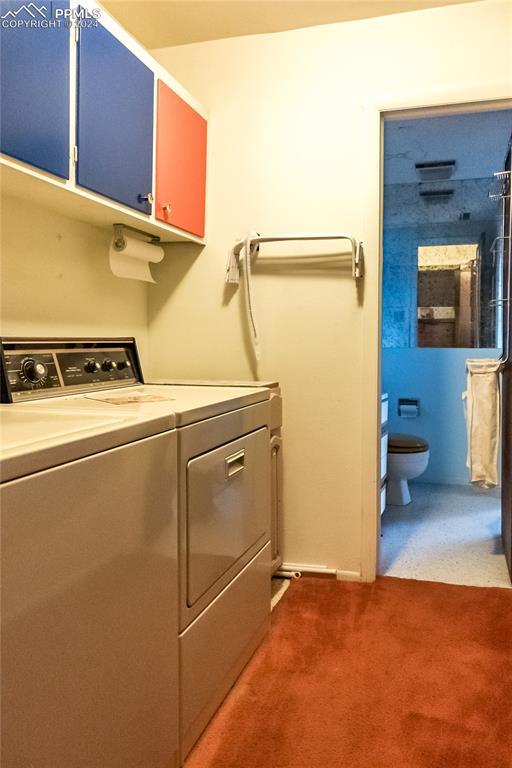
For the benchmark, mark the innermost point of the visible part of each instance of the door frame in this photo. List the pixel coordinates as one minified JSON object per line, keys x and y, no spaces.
{"x":375,"y":111}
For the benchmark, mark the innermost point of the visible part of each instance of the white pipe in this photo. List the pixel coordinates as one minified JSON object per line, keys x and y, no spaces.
{"x":305,"y":568}
{"x":288,"y":574}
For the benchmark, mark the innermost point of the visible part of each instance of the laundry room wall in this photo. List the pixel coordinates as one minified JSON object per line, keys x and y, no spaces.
{"x":287,"y":153}
{"x":56,"y":279}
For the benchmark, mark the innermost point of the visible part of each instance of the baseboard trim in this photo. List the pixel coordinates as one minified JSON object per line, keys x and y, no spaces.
{"x":348,"y":575}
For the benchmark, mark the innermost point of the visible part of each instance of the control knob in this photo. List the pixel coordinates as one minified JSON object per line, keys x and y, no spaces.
{"x":34,"y":371}
{"x":91,"y":366}
{"x":108,"y":365}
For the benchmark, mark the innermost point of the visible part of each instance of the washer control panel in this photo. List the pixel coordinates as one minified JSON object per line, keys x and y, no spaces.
{"x":32,"y":369}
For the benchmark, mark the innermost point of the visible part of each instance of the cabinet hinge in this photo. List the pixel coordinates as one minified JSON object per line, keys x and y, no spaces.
{"x":75,"y":153}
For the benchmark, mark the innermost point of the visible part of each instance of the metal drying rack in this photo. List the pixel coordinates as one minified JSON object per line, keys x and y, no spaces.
{"x":356,"y":247}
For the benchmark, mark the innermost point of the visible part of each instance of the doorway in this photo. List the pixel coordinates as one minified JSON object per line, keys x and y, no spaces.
{"x":444,"y":288}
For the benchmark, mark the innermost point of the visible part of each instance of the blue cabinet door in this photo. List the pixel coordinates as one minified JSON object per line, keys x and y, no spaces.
{"x":34,"y":85}
{"x":114,"y":120}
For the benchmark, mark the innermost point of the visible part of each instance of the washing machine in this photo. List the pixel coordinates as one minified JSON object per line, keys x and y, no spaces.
{"x":214,"y":484}
{"x":89,"y":569}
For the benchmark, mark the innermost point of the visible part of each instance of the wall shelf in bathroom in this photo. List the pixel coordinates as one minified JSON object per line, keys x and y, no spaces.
{"x":32,"y":187}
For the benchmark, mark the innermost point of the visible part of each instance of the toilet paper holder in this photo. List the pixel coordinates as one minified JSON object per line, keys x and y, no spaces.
{"x":120,"y":242}
{"x":408,"y":408}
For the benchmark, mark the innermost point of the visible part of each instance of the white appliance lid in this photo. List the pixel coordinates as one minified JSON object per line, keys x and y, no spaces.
{"x":189,"y":404}
{"x":37,"y":435}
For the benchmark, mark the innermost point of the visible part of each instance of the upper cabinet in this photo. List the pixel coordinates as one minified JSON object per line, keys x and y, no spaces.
{"x":34,"y":90}
{"x":114,"y":120}
{"x":84,"y":102}
{"x":180,"y":163}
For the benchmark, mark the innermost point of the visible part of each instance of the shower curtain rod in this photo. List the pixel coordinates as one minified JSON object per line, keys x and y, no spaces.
{"x":356,"y":247}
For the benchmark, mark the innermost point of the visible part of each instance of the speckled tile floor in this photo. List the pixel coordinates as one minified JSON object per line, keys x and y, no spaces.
{"x":448,"y":533}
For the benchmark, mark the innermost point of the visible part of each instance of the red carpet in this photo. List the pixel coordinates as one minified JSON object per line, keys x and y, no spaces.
{"x":396,"y":674}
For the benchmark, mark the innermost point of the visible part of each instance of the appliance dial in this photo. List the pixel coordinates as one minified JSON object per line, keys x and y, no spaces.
{"x":122,"y":364}
{"x":34,"y":371}
{"x":92,"y":366}
{"x":108,"y":365}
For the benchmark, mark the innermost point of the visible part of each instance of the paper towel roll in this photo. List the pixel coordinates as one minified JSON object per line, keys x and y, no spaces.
{"x":133,"y":259}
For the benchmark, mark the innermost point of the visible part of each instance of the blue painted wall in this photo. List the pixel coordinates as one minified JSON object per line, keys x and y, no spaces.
{"x":437,"y":377}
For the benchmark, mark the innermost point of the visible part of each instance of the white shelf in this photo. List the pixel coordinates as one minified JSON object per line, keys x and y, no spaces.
{"x":32,"y":187}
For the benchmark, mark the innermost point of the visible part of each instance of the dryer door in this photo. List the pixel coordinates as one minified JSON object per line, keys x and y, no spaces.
{"x":227,"y":510}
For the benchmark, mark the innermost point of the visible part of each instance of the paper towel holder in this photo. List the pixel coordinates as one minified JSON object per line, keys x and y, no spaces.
{"x":119,"y":239}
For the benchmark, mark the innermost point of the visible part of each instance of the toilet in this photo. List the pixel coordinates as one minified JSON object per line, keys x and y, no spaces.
{"x":408,"y":457}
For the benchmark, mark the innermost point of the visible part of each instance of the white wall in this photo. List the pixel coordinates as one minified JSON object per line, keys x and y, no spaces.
{"x":287,"y":148}
{"x":56,"y":279}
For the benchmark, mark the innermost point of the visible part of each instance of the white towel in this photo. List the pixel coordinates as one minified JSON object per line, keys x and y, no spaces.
{"x":483,"y":420}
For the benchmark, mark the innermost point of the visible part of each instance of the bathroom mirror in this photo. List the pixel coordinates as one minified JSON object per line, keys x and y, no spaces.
{"x":458,"y":296}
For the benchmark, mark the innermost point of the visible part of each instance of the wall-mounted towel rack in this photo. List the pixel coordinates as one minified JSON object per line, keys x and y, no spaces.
{"x":256,"y":240}
{"x":246,"y":250}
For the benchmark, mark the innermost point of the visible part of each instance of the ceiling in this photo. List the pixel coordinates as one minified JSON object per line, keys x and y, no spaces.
{"x":163,"y":23}
{"x":476,"y":141}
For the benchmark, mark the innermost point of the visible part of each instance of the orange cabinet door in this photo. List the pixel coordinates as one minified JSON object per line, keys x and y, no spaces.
{"x":180,"y":163}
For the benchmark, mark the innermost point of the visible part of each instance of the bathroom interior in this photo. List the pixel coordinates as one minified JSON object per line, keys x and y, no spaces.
{"x":442,"y":291}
